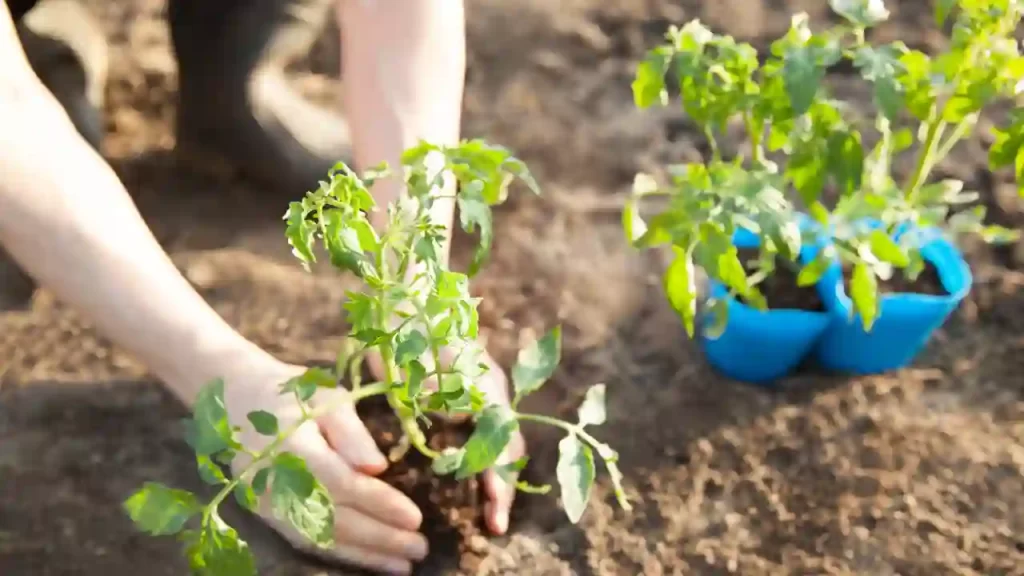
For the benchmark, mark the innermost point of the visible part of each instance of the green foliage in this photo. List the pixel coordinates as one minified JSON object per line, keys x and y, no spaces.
{"x":818,"y":143}
{"x":413,"y":306}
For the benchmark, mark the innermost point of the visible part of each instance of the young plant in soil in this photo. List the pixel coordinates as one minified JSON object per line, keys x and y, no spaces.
{"x":405,"y":314}
{"x":788,"y":113}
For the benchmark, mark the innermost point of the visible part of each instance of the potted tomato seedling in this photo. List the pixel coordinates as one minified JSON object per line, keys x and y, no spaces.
{"x":896,"y":273}
{"x":865,"y":321}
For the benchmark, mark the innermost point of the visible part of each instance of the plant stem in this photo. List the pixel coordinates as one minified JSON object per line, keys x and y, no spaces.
{"x":608,"y":455}
{"x":353,"y":397}
{"x":567,"y":426}
{"x":716,"y":153}
{"x":959,"y":132}
{"x":924,"y":159}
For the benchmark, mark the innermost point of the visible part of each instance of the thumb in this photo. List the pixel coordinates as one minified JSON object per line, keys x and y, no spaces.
{"x":347,"y":435}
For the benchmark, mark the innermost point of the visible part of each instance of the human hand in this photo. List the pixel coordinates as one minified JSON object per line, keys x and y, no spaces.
{"x":376,"y":526}
{"x":494,"y":385}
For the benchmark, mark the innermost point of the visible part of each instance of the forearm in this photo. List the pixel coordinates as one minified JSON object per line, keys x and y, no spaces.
{"x":404,"y":64}
{"x":68,"y":221}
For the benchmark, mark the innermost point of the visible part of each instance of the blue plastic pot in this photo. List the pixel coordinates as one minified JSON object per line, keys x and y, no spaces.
{"x":759,"y":347}
{"x":906,"y":323}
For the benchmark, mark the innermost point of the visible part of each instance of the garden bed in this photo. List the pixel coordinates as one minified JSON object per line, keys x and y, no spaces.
{"x":913,"y":473}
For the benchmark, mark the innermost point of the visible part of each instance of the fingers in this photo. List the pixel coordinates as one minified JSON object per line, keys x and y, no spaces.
{"x":364,"y":558}
{"x":352,"y":488}
{"x":347,"y":435}
{"x":381,"y":501}
{"x":501,"y":494}
{"x":345,"y":552}
{"x":357,"y":529}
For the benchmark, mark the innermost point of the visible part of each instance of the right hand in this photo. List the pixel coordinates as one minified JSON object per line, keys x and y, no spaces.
{"x":375,"y":524}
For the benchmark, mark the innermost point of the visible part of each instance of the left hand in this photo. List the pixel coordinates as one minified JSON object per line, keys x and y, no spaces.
{"x":494,"y":385}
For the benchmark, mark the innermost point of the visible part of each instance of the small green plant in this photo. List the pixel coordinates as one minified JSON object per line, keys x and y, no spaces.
{"x":787,"y":111}
{"x":402,"y":316}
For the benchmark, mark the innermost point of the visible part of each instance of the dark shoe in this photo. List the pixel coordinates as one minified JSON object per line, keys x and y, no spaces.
{"x":235,"y":108}
{"x":68,"y":51}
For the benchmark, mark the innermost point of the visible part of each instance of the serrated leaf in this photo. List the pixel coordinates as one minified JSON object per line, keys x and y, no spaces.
{"x":649,"y":82}
{"x":802,"y":75}
{"x":536,"y":362}
{"x":259,"y":480}
{"x":209,"y":430}
{"x":411,"y":346}
{"x":216,"y":550}
{"x":306,"y":384}
{"x":209,"y":471}
{"x":864,"y":13}
{"x":864,"y":293}
{"x":493,"y":432}
{"x":245,"y":496}
{"x":680,"y":288}
{"x":448,"y":462}
{"x":593,"y":410}
{"x":575,"y":473}
{"x":264,"y":422}
{"x":886,"y":249}
{"x":474,"y":213}
{"x":297,"y":497}
{"x":299,"y":233}
{"x":161,"y":511}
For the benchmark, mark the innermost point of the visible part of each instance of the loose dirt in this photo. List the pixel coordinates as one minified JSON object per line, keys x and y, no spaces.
{"x":915,"y":472}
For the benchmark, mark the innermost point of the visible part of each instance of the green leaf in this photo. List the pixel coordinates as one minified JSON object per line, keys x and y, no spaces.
{"x":161,"y":511}
{"x":217,"y":550}
{"x":494,"y":429}
{"x":802,"y":75}
{"x":299,"y":233}
{"x":264,"y":422}
{"x":593,"y":411}
{"x":245,"y":496}
{"x":886,"y":249}
{"x":305,"y":385}
{"x":649,"y":82}
{"x":942,"y":10}
{"x":863,"y":13}
{"x":632,"y":223}
{"x":344,"y":244}
{"x":864,"y":293}
{"x":811,"y":273}
{"x":260,"y":480}
{"x":882,"y":67}
{"x":680,"y":287}
{"x":473,"y":213}
{"x":448,"y":462}
{"x":718,"y":312}
{"x":411,"y":346}
{"x":537,"y":362}
{"x":209,"y":431}
{"x":575,"y":473}
{"x":299,"y":498}
{"x":209,"y":471}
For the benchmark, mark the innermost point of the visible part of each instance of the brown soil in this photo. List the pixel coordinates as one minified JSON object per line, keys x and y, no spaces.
{"x":451,"y":510}
{"x":780,"y":289}
{"x":927,"y":282}
{"x":914,"y":473}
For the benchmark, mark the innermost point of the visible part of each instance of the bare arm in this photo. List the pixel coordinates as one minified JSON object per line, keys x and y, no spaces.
{"x":404,"y":66}
{"x":68,"y":221}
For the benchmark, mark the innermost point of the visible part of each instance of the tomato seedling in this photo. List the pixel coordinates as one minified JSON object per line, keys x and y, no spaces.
{"x":802,"y":138}
{"x":412,"y":307}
